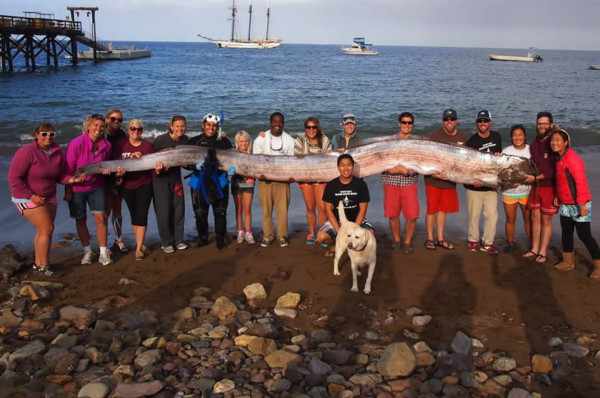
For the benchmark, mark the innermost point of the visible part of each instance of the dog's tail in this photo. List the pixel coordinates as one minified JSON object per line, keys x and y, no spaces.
{"x":341,"y":212}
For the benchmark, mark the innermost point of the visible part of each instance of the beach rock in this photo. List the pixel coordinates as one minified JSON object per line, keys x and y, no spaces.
{"x":286,"y":313}
{"x":288,"y":300}
{"x":555,"y":342}
{"x":81,"y":318}
{"x":255,"y":291}
{"x":223,"y":386}
{"x":279,"y":386}
{"x":135,"y":390}
{"x":366,"y":379}
{"x":461,"y":344}
{"x":397,"y":360}
{"x":223,"y":308}
{"x":147,"y":358}
{"x":8,"y":319}
{"x":371,"y":335}
{"x":541,"y":364}
{"x":493,"y":388}
{"x":66,"y":364}
{"x":575,"y":350}
{"x":518,"y":393}
{"x":421,"y":320}
{"x":261,"y":346}
{"x":321,"y":336}
{"x":94,"y":390}
{"x":339,"y":357}
{"x":412,"y":311}
{"x":318,"y":367}
{"x":280,"y":358}
{"x":29,"y":350}
{"x":504,"y":364}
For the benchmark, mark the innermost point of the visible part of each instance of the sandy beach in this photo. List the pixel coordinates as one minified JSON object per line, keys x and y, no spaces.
{"x":512,"y":304}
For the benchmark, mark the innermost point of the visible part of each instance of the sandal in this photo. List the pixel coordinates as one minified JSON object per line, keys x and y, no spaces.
{"x":311,"y":239}
{"x":408,"y":249}
{"x":540,"y":259}
{"x":445,"y":244}
{"x":330,"y":253}
{"x":530,"y":254}
{"x":429,"y":244}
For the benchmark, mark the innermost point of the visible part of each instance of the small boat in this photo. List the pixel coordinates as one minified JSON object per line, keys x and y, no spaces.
{"x":359,"y":47}
{"x":249,"y":43}
{"x":530,"y":57}
{"x":119,"y":53}
{"x":596,"y":67}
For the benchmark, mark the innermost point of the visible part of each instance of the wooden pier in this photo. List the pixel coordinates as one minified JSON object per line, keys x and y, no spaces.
{"x":42,"y":37}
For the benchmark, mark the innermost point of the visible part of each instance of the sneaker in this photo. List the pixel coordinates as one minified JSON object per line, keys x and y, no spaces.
{"x":489,"y":249}
{"x":87,"y":258}
{"x":249,"y":238}
{"x":283,"y":242}
{"x":311,"y":239}
{"x":266,"y":242}
{"x":181,"y":246}
{"x":120,"y":245}
{"x":240,"y":237}
{"x":48,"y":270}
{"x":168,"y":249}
{"x":105,"y":259}
{"x":473,"y":246}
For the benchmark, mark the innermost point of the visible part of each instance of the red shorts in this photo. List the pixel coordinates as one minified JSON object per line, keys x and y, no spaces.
{"x":398,"y":200}
{"x":441,"y":199}
{"x":542,"y":198}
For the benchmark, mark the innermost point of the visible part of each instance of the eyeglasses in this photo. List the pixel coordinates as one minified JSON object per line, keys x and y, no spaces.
{"x":349,"y":120}
{"x":451,"y":119}
{"x":116,"y":119}
{"x":140,"y":129}
{"x":311,"y":127}
{"x":46,"y":134}
{"x":482,"y":121}
{"x":407,"y":122}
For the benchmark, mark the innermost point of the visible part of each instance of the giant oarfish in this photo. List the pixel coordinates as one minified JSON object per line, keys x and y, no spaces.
{"x":457,"y":163}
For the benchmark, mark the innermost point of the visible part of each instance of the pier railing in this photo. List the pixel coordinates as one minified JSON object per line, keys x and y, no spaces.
{"x":41,"y":26}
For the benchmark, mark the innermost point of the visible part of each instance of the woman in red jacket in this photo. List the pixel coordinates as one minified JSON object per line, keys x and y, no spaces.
{"x":575,"y":203}
{"x":33,"y":174}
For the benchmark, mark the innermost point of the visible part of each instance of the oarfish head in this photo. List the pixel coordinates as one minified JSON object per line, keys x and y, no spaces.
{"x":515,"y":172}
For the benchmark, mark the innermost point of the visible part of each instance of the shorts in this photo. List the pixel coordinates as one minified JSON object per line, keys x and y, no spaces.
{"x":542,"y":198}
{"x":441,"y":199}
{"x":328,"y":228}
{"x":403,"y":200}
{"x":236,"y":190}
{"x":95,"y":200}
{"x":511,"y":200}
{"x":572,"y":212}
{"x":23,"y":205}
{"x":308,"y":184}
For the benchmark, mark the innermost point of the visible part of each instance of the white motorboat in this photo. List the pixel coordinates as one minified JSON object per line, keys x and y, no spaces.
{"x":249,"y":43}
{"x":596,"y":67}
{"x":359,"y":47}
{"x":530,"y":57}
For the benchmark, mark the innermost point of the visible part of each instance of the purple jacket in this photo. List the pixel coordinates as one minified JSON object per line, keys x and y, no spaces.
{"x":34,"y":171}
{"x":79,"y":154}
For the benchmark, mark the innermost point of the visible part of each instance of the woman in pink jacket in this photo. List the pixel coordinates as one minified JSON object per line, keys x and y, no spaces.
{"x":33,"y":174}
{"x":575,"y":203}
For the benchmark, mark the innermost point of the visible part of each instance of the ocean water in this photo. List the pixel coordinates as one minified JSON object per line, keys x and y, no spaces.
{"x":301,"y":81}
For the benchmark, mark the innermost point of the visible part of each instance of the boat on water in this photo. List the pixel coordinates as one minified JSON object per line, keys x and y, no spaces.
{"x":596,"y":67}
{"x":359,"y":47}
{"x":249,"y":43}
{"x":118,"y":53}
{"x":530,"y":57}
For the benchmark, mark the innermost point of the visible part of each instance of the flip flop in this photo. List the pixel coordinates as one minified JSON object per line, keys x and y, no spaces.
{"x":529,"y":254}
{"x":330,"y":253}
{"x":540,"y":259}
{"x":445,"y":244}
{"x":429,"y":244}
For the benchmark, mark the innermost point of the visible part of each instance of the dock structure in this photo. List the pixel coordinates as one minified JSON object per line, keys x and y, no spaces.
{"x":37,"y":36}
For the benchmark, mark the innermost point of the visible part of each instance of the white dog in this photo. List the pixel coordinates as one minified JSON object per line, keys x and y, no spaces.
{"x":361,"y":246}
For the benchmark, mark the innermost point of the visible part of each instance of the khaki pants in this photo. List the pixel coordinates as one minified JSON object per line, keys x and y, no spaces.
{"x":488,"y":201}
{"x":273,"y":194}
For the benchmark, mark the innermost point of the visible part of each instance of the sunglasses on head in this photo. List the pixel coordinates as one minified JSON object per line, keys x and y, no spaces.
{"x":46,"y":134}
{"x":116,"y":119}
{"x":406,"y":122}
{"x":349,"y":120}
{"x":452,"y":119}
{"x":133,"y":128}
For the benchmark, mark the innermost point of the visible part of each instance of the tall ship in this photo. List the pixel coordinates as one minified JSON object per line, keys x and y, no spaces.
{"x":249,"y":43}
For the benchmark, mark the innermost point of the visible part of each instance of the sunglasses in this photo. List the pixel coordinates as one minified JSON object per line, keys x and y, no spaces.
{"x":406,"y":122}
{"x":45,"y":134}
{"x":452,"y":119}
{"x":311,"y":127}
{"x":116,"y":119}
{"x":482,"y":121}
{"x":132,"y":128}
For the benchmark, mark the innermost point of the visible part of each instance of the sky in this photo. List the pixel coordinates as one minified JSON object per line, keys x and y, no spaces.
{"x":519,"y":24}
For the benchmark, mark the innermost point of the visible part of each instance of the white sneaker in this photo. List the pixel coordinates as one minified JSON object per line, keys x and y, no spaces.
{"x":249,"y":238}
{"x":240,"y":237}
{"x":105,"y":259}
{"x":87,"y":258}
{"x":181,"y":246}
{"x":168,"y":249}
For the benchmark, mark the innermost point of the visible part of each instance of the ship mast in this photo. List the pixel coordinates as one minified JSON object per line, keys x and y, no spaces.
{"x":249,"y":20}
{"x":233,"y":12}
{"x":268,"y":18}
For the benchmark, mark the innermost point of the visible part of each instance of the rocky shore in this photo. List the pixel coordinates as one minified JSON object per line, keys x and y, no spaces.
{"x":241,"y":347}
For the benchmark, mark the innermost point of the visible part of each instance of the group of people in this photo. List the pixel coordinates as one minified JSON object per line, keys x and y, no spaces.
{"x":560,"y":187}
